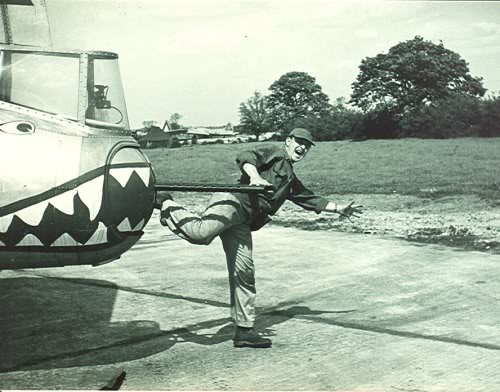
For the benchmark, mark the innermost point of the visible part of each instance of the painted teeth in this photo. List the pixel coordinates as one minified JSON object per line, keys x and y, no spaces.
{"x":5,"y":222}
{"x":124,"y":226}
{"x":139,"y":226}
{"x":100,"y":236}
{"x":32,"y":215}
{"x":30,"y":240}
{"x":65,"y":240}
{"x":91,"y":194}
{"x":144,"y":173}
{"x":122,"y":174}
{"x":64,"y":202}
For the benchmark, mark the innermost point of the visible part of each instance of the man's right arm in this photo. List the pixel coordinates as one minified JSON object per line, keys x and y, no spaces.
{"x":255,"y":178}
{"x":250,"y":160}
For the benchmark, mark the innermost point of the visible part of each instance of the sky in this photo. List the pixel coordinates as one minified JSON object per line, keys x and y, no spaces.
{"x":202,"y":58}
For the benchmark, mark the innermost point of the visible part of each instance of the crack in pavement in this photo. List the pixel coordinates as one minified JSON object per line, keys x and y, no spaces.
{"x":152,"y":293}
{"x":405,"y":334}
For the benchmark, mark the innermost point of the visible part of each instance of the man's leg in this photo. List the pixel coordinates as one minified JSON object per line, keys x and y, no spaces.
{"x":237,"y":243}
{"x":223,"y":211}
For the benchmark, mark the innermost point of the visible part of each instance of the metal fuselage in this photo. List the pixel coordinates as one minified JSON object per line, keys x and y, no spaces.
{"x":74,"y":186}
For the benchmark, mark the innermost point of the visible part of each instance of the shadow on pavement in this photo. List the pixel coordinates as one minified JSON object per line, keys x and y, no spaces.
{"x":47,"y":320}
{"x":49,"y":323}
{"x":264,"y":322}
{"x":59,"y":323}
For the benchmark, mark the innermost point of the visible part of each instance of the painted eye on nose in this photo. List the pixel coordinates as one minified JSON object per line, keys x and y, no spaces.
{"x":18,"y":128}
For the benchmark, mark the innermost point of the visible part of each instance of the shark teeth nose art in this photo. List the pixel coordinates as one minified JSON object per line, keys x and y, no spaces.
{"x":100,"y":236}
{"x":64,"y":202}
{"x":30,"y":240}
{"x":125,"y":226}
{"x":32,"y":215}
{"x":79,"y":212}
{"x":123,"y":174}
{"x":91,"y":195}
{"x":65,"y":240}
{"x":5,"y":222}
{"x":139,"y":226}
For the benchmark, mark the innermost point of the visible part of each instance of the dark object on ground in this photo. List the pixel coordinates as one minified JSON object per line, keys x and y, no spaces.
{"x":115,"y":383}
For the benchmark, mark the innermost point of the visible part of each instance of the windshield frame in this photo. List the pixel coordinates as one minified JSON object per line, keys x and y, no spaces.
{"x":86,"y":76}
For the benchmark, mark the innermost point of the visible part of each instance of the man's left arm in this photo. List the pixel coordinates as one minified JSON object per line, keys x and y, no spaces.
{"x":345,"y":210}
{"x":306,"y":199}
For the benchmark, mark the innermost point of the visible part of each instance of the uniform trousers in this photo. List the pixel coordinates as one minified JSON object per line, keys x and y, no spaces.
{"x":224,"y":217}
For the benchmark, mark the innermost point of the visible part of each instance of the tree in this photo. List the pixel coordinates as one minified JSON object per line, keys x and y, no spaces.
{"x":254,"y":115}
{"x":175,"y":121}
{"x":294,"y":96}
{"x":339,"y":123}
{"x":344,"y":121}
{"x":412,"y":74}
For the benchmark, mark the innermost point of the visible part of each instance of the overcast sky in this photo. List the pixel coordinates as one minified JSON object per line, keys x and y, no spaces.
{"x":203,"y":58}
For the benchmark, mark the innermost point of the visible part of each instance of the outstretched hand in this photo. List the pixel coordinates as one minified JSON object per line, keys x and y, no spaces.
{"x":348,"y":210}
{"x":259,"y":181}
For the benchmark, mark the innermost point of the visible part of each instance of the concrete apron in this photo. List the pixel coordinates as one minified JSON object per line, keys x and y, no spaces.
{"x":345,"y":312}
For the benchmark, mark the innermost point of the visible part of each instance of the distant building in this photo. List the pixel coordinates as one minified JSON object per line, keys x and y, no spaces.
{"x":269,"y":136}
{"x":224,"y":134}
{"x":153,"y":137}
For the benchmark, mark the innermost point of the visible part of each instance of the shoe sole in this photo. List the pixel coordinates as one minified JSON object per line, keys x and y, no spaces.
{"x":252,"y":345}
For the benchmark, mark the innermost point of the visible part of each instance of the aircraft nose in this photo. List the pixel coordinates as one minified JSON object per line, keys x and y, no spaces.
{"x":129,"y":191}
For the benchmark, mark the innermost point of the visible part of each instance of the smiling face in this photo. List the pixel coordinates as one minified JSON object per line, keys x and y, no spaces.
{"x":297,"y":148}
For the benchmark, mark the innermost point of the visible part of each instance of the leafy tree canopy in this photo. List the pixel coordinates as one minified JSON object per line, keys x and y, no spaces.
{"x":296,"y":95}
{"x":175,"y":121}
{"x":412,"y":74}
{"x":254,"y":115}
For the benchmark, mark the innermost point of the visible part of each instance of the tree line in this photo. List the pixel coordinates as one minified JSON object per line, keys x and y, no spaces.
{"x":416,"y":89}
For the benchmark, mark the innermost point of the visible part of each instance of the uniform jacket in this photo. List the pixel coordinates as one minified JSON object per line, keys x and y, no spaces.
{"x":273,"y":165}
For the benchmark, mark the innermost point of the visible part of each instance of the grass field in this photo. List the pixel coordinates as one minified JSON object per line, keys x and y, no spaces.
{"x":431,"y":191}
{"x":427,"y":168}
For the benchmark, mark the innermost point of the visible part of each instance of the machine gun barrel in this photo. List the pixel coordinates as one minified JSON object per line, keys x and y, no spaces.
{"x":237,"y":188}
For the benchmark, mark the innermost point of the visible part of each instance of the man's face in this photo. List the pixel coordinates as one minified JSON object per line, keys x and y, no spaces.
{"x":296,"y":148}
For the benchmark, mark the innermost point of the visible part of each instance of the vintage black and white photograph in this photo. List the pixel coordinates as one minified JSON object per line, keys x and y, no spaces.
{"x":250,"y":195}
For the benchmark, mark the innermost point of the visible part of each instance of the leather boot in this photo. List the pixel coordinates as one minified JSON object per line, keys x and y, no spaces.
{"x":247,"y":337}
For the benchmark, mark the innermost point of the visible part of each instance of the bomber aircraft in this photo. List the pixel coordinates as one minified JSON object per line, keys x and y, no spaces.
{"x":74,"y":186}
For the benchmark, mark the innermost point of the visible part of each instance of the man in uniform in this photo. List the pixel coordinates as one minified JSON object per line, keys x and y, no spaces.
{"x":233,"y":217}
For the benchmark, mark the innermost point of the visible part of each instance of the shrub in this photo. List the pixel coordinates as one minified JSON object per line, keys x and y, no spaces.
{"x":490,"y":117}
{"x":339,"y":123}
{"x":175,"y":143}
{"x":456,"y":116}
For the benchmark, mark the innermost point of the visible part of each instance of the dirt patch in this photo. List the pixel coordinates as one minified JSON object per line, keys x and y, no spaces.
{"x":464,"y":222}
{"x":461,"y":238}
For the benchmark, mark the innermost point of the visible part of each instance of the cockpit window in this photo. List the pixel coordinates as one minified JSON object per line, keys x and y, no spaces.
{"x":39,"y":81}
{"x":106,"y":103}
{"x":54,"y":83}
